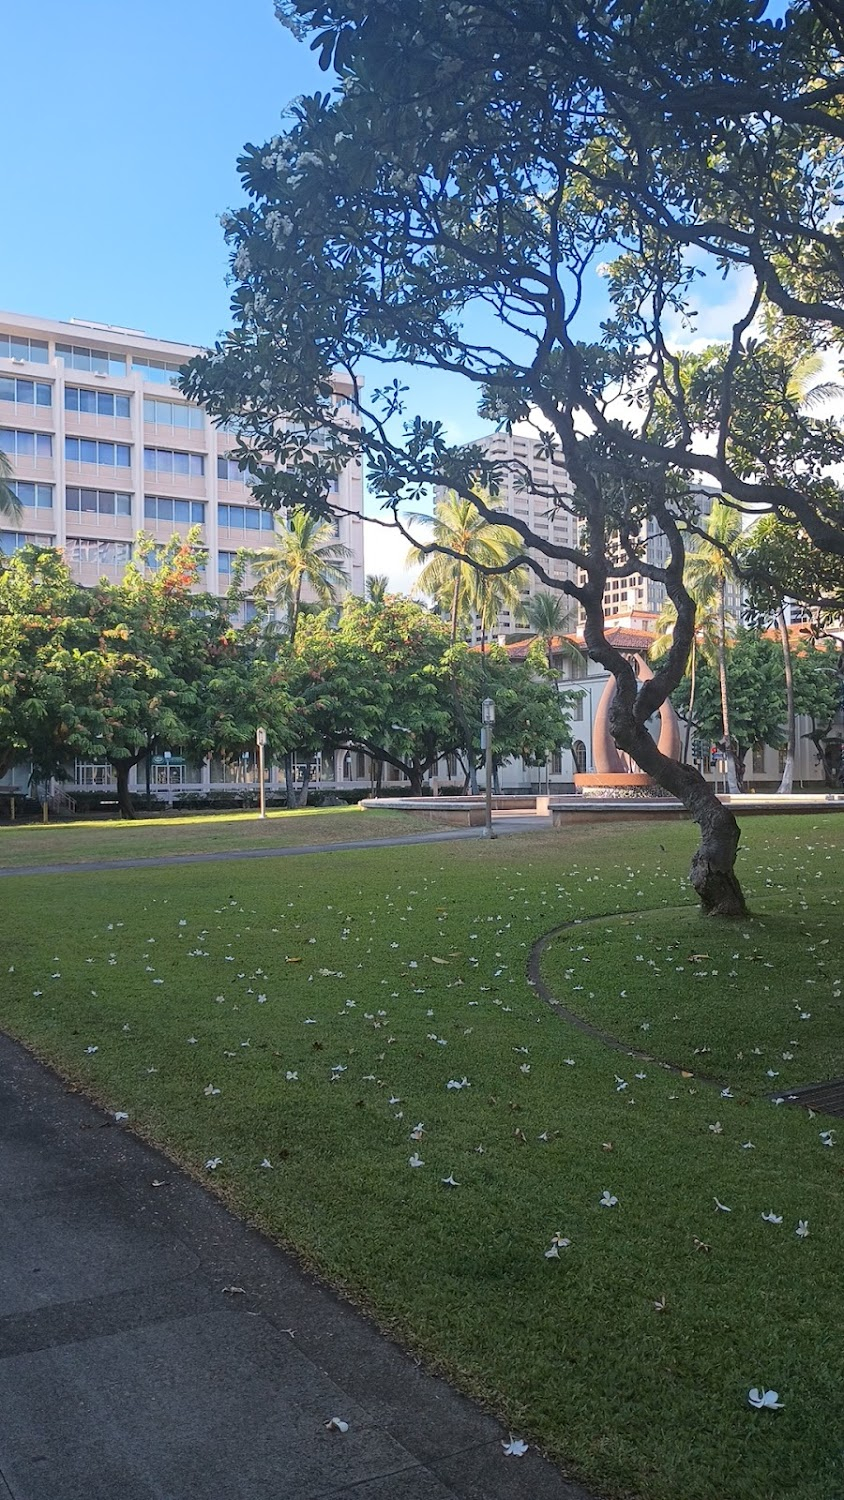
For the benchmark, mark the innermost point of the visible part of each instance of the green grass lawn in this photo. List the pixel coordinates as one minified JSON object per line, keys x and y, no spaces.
{"x":312,"y":1014}
{"x":61,"y":843}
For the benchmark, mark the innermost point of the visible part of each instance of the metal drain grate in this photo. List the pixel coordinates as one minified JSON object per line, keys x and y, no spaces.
{"x":826,"y":1098}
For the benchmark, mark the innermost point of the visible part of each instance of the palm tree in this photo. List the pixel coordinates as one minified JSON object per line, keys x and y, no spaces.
{"x":453,"y":580}
{"x":709,"y":569}
{"x":305,"y":552}
{"x":704,"y":645}
{"x":376,"y":588}
{"x":554,"y":617}
{"x":10,"y":506}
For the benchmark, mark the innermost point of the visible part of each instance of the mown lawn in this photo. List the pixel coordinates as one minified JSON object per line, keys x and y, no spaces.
{"x":311,"y":1015}
{"x":63,"y":843}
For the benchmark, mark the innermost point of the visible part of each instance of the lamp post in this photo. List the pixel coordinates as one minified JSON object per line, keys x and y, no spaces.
{"x":261,"y":737}
{"x":487,"y":723}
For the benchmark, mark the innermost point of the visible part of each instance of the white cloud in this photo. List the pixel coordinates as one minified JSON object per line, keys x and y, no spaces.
{"x":385,"y":551}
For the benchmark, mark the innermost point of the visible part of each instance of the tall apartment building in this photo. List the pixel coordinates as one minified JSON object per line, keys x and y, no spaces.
{"x":525,"y":492}
{"x":103,"y":445}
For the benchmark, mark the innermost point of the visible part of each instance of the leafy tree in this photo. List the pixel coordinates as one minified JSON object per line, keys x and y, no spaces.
{"x":338,"y":692}
{"x":157,"y":641}
{"x":50,"y":664}
{"x":532,"y":716}
{"x":454,"y":212}
{"x":305,"y":552}
{"x":754,"y":683}
{"x":408,"y":650}
{"x":818,"y":684}
{"x":376,"y":588}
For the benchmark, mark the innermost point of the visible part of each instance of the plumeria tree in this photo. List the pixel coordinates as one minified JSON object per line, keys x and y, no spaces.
{"x":456,"y":212}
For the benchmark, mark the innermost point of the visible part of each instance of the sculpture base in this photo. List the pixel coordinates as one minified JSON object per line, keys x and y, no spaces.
{"x":621,"y":785}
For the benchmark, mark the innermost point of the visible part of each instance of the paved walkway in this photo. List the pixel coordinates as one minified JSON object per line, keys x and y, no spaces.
{"x":507,"y":824}
{"x":128,"y":1371}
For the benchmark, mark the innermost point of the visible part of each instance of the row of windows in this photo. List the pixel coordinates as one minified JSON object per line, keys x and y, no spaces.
{"x":166,"y":461}
{"x":37,"y":496}
{"x":104,"y":554}
{"x":25,"y":392}
{"x":16,"y":444}
{"x":10,"y":541}
{"x":228,"y":469}
{"x":98,"y":403}
{"x":94,"y":451}
{"x":185,"y":512}
{"x":173,"y":414}
{"x":80,"y":357}
{"x":12,"y":346}
{"x":98,"y":502}
{"x":245,"y":517}
{"x":156,"y":370}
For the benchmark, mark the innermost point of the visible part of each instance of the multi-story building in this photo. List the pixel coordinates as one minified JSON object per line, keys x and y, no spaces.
{"x":102,"y":445}
{"x":529,"y":481}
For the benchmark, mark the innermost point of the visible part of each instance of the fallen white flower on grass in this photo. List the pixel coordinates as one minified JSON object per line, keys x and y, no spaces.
{"x":802,"y":1230}
{"x":415,"y":1160}
{"x":449,"y":1181}
{"x":458,"y":1083}
{"x":121,"y":1114}
{"x":747,"y":1146}
{"x":716,"y":1128}
{"x":608,"y":1200}
{"x":721,"y":1207}
{"x":417,"y":1132}
{"x":210,"y":1090}
{"x":558,"y":1243}
{"x":827,"y":1137}
{"x":772,"y":1218}
{"x":514,"y":1447}
{"x":213,"y":1163}
{"x":291,"y":1077}
{"x":336,"y":1424}
{"x":768,"y":1399}
{"x":91,"y":1050}
{"x":266,"y":1162}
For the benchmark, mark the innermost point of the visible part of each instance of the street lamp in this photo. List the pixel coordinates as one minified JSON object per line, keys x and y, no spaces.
{"x":487,"y":724}
{"x":261,"y":738}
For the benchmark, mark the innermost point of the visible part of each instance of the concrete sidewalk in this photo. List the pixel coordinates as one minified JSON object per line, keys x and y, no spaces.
{"x":128,"y":1371}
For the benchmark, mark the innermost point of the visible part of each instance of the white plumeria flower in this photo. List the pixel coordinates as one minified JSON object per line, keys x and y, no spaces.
{"x":336,"y":1424}
{"x":608,"y":1199}
{"x":213,"y":1163}
{"x":772,"y":1218}
{"x":91,"y":1050}
{"x":721,"y":1207}
{"x":802,"y":1230}
{"x":417,"y":1132}
{"x":747,"y":1146}
{"x":210,"y":1091}
{"x":416,"y":1160}
{"x":266,"y":1163}
{"x":515,"y":1447}
{"x":767,"y":1399}
{"x":458,"y":1083}
{"x":449,"y":1181}
{"x":291,"y":1077}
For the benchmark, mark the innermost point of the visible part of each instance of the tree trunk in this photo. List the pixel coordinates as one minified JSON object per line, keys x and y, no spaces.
{"x":379,"y":777}
{"x":414,"y":773}
{"x":455,"y":608}
{"x":732,"y":779}
{"x":692,"y":691}
{"x":124,"y":800}
{"x":712,"y":872}
{"x":302,"y":796}
{"x":787,"y":783}
{"x":290,"y":780}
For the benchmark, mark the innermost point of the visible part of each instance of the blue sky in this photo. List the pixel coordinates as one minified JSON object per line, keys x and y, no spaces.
{"x":123,"y":125}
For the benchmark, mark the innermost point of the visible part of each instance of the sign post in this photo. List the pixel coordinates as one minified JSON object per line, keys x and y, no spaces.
{"x":488,"y":720}
{"x":261,"y":737}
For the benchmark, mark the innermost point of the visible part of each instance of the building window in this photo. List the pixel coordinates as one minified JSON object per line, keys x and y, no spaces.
{"x":16,"y":444}
{"x":80,"y":549}
{"x":36,"y":496}
{"x":173,"y":414}
{"x":93,"y":451}
{"x":227,"y":468}
{"x":98,"y":403}
{"x":578,"y":752}
{"x":81,"y":357}
{"x":225,"y":563}
{"x":184,"y":512}
{"x":245,"y":518}
{"x":166,"y":461}
{"x":94,"y":774}
{"x":98,"y":502}
{"x":577,"y":709}
{"x":25,"y":392}
{"x":156,"y":371}
{"x":557,"y":763}
{"x":14,"y":347}
{"x":10,"y":541}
